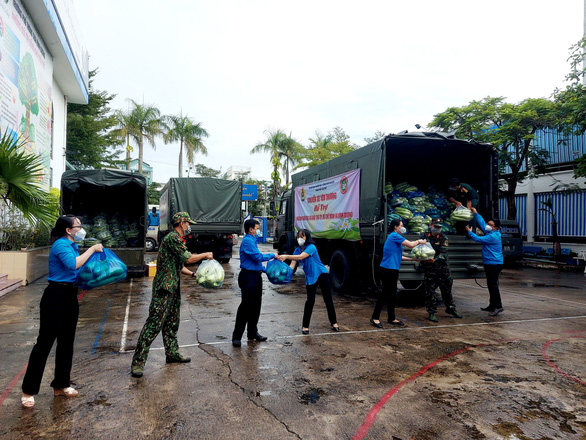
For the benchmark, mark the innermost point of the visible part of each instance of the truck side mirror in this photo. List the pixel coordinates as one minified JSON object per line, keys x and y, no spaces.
{"x":272,"y":207}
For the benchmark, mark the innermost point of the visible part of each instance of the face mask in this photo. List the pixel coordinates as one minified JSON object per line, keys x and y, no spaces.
{"x":435,"y":230}
{"x":488,"y":228}
{"x":257,"y":233}
{"x":79,"y":235}
{"x":188,"y":229}
{"x":301,"y":241}
{"x":402,"y":230}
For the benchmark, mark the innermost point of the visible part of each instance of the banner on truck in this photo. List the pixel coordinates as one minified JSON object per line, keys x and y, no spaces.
{"x":329,"y":208}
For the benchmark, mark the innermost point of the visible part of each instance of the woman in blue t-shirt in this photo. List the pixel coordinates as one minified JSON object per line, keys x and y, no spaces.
{"x":59,"y":312}
{"x":390,"y":265}
{"x":315,"y":274}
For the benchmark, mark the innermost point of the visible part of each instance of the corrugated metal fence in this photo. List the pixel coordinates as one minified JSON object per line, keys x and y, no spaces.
{"x":521,"y":217}
{"x":570,"y":212}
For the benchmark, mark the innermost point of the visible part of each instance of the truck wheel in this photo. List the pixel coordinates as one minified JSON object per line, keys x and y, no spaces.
{"x":150,"y":245}
{"x":342,"y":272}
{"x":223,"y":260}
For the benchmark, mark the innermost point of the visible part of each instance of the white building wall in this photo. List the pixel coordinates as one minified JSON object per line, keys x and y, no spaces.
{"x":59,"y":135}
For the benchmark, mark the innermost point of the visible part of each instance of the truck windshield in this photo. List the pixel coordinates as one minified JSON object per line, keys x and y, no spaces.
{"x":283,"y":207}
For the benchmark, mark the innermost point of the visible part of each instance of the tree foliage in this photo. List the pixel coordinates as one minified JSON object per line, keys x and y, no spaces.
{"x":377,"y":136}
{"x":322,"y":148}
{"x":184,"y":130}
{"x":203,"y":171}
{"x":144,"y":122}
{"x":90,"y":143}
{"x":572,"y":100}
{"x":511,"y":129}
{"x":20,"y":173}
{"x":273,"y":144}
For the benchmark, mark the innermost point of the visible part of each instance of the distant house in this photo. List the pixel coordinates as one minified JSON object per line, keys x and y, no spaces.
{"x":147,"y":170}
{"x":569,"y":207}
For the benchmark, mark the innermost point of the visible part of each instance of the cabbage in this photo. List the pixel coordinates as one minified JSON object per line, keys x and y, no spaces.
{"x":210,"y":274}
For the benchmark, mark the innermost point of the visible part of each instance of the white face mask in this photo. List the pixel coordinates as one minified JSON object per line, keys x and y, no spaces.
{"x":435,"y":230}
{"x":402,"y":230}
{"x":301,"y":241}
{"x":79,"y":235}
{"x":488,"y":228}
{"x":188,"y":231}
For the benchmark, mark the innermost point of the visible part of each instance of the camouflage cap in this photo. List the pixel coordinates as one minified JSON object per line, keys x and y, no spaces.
{"x":182,"y":217}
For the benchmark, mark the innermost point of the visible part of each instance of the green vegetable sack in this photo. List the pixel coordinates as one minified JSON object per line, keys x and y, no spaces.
{"x":422,"y":252}
{"x":462,"y":214}
{"x":210,"y":274}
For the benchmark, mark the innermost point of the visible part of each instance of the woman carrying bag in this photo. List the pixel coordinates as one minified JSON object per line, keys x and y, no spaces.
{"x":59,"y":311}
{"x":315,"y":274}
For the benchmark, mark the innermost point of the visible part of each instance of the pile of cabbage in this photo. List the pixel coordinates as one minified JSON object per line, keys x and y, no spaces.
{"x":210,"y":274}
{"x":416,"y":208}
{"x":113,"y":232}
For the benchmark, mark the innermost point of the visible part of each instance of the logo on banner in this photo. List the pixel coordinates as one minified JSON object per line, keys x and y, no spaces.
{"x":344,"y":185}
{"x":302,"y":194}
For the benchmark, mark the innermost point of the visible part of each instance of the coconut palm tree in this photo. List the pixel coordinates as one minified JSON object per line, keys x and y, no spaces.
{"x":19,"y":174}
{"x":273,"y":145}
{"x":289,"y":150}
{"x":183,"y":130}
{"x":123,"y":130}
{"x":144,"y":123}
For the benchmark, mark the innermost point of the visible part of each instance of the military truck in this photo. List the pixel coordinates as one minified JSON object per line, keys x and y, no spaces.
{"x":112,"y":205}
{"x":353,"y":246}
{"x":214,"y":204}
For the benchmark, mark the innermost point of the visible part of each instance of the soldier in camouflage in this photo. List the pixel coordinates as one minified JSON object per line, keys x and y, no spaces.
{"x":437,"y":272}
{"x":166,"y":298}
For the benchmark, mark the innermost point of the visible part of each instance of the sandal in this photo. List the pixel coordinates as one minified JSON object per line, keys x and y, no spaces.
{"x":66,"y":392}
{"x":27,"y":402}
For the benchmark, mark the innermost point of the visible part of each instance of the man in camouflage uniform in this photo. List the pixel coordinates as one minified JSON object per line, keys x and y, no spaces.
{"x":437,"y":272}
{"x":166,"y":298}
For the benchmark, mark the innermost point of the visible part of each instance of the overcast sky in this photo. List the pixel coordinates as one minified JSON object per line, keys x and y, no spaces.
{"x":242,"y":67}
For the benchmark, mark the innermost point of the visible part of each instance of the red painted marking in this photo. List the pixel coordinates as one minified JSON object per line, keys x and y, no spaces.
{"x":81,"y":295}
{"x":554,"y":366}
{"x":369,"y":419}
{"x":12,"y":384}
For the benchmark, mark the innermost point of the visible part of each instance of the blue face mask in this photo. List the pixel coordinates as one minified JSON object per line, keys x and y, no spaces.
{"x":257,"y":233}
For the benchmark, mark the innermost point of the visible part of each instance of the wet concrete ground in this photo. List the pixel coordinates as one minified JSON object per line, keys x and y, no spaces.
{"x":521,"y":375}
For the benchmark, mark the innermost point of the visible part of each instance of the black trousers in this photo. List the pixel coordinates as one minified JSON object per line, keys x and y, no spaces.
{"x":389,"y":278}
{"x":492,"y":272}
{"x":59,"y":313}
{"x":250,"y":283}
{"x":324,"y":284}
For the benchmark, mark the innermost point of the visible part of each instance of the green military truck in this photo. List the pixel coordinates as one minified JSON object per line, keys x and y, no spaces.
{"x":112,"y":205}
{"x":353,"y":246}
{"x":214,"y":204}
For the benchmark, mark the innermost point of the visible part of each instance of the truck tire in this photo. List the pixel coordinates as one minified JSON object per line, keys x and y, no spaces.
{"x":342,"y":272}
{"x":223,"y":260}
{"x":150,"y":245}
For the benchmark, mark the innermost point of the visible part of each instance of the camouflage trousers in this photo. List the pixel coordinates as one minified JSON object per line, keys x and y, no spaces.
{"x":437,"y":275}
{"x":163,"y":316}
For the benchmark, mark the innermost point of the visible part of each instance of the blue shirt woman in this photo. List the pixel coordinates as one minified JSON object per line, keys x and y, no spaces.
{"x":59,"y":312}
{"x":316,"y":275}
{"x":390,"y":265}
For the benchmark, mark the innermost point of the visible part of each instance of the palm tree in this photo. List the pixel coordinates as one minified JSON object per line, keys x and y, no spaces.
{"x":19,"y":174}
{"x":183,"y":130}
{"x":144,"y":123}
{"x":289,"y":153}
{"x":273,"y":145}
{"x":123,"y":130}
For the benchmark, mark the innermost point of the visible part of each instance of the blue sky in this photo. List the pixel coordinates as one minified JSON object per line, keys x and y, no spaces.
{"x":241,"y":68}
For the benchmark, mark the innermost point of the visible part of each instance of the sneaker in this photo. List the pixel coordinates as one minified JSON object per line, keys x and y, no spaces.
{"x":432,"y":317}
{"x":487,"y":309}
{"x":136,"y":371}
{"x":178,"y":359}
{"x":452,"y":311}
{"x":495,"y":312}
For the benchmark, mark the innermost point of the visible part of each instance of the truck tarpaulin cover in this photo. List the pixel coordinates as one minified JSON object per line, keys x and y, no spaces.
{"x":105,"y":178}
{"x":207,"y":200}
{"x":329,"y":208}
